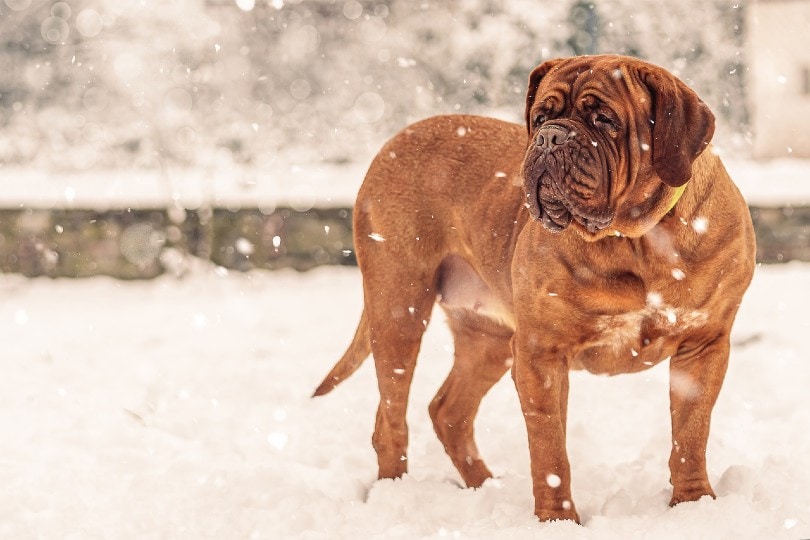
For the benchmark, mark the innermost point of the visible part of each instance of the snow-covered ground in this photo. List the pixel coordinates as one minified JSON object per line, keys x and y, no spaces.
{"x":181,"y":409}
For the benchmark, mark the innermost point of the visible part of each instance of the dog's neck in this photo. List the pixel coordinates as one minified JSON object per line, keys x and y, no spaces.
{"x":674,"y":198}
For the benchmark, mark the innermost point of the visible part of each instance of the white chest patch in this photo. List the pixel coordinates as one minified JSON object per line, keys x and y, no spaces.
{"x":656,"y":318}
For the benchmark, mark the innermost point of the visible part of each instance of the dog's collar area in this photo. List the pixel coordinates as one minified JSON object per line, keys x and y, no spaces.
{"x":676,"y":196}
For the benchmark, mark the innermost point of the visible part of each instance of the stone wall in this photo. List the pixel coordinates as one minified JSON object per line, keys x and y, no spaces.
{"x":145,"y":243}
{"x":783,"y":233}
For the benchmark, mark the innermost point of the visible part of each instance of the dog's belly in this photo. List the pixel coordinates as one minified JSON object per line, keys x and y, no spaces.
{"x":461,"y":288}
{"x":636,"y":340}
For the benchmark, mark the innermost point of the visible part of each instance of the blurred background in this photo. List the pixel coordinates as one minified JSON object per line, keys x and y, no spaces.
{"x":137,"y":134}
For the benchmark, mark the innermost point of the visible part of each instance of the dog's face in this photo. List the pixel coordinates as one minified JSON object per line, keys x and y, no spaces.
{"x":609,"y":139}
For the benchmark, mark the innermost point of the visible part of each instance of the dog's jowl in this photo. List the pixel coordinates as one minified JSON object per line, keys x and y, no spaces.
{"x":604,"y":235}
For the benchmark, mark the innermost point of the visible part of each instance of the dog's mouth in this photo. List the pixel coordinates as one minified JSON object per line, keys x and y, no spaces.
{"x":557,"y":197}
{"x":553,"y":214}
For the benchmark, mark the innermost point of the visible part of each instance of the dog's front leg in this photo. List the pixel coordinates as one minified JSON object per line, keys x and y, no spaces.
{"x":541,"y":378}
{"x":696,"y":375}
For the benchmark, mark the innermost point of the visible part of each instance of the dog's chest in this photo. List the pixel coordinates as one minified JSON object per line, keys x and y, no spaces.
{"x":636,"y":340}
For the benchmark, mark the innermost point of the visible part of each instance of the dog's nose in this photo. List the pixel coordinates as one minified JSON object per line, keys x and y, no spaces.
{"x":550,"y":136}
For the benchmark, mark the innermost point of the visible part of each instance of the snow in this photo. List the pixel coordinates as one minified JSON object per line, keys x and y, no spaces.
{"x":301,"y":186}
{"x":180,"y":409}
{"x":772,"y":182}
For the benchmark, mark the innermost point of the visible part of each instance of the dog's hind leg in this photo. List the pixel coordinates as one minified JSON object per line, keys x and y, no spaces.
{"x":398,"y":316}
{"x":400,"y":237}
{"x":482,"y":353}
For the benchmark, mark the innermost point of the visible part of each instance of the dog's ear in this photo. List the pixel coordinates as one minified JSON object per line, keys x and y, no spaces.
{"x":535,"y":77}
{"x":682,"y":126}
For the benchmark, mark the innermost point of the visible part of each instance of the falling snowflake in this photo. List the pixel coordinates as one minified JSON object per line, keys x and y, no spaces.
{"x":377,"y":237}
{"x":278,"y":440}
{"x":700,"y":225}
{"x":244,"y":246}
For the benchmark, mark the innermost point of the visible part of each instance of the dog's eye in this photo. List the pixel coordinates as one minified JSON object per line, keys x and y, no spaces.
{"x":603,"y":121}
{"x":539,"y":119}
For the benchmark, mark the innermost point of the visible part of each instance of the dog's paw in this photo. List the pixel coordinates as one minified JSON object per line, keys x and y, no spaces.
{"x":566,"y":513}
{"x":692,"y":493}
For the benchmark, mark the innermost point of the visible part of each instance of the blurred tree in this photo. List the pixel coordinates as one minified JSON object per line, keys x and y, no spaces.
{"x":584,"y":28}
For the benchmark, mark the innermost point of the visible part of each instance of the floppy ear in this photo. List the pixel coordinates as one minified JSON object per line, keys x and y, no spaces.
{"x":682,"y":126}
{"x":534,"y":81}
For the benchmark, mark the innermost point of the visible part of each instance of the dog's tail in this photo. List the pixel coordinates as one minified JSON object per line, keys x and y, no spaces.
{"x":357,"y":352}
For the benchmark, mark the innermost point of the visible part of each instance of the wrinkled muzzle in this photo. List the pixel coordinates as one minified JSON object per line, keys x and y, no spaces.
{"x":564,"y":182}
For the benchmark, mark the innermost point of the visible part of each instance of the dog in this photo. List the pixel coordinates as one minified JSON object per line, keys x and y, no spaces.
{"x":604,"y":235}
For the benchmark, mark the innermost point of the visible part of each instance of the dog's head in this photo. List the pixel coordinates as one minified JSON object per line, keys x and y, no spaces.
{"x":611,"y":138}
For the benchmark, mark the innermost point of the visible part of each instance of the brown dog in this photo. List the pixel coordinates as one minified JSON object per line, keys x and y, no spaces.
{"x":608,"y":239}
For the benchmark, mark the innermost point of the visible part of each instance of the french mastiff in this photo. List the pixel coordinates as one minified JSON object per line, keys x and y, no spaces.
{"x":605,"y":235}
